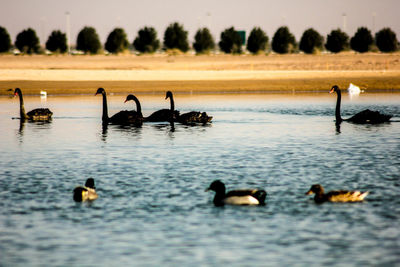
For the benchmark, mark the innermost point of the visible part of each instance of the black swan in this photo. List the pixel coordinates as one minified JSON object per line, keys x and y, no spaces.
{"x":135,"y":117}
{"x":39,"y":114}
{"x":87,"y":192}
{"x":335,"y":196}
{"x":363,"y":117}
{"x":236,"y":197}
{"x":194,"y":117}
{"x":164,"y":114}
{"x":123,"y":117}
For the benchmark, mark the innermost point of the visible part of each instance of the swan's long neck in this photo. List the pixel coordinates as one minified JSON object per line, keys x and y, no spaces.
{"x":22,"y":113}
{"x":171,"y":99}
{"x":105,"y":108}
{"x":138,"y":107}
{"x":337,"y":112}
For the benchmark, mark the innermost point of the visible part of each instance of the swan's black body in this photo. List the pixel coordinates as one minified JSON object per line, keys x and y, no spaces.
{"x":236,"y":197}
{"x":165,"y":114}
{"x":194,"y":117}
{"x":39,"y":114}
{"x":364,"y":117}
{"x":123,"y":117}
{"x":135,"y":117}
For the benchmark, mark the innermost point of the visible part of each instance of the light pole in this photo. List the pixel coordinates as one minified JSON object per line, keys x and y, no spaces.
{"x":373,"y":21}
{"x":344,"y":22}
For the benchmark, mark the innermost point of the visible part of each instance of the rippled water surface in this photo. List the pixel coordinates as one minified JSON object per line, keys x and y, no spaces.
{"x":152,"y":209}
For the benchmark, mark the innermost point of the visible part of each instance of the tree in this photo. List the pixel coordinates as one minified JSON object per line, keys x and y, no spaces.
{"x":117,"y":41}
{"x":311,"y":41}
{"x":27,"y":41}
{"x":5,"y":40}
{"x":175,"y":36}
{"x":283,"y":41}
{"x":362,"y":40}
{"x":146,"y":41}
{"x":57,"y":42}
{"x":88,"y":41}
{"x":337,"y":41}
{"x":257,"y":40}
{"x":203,"y":41}
{"x":230,"y":42}
{"x":386,"y":40}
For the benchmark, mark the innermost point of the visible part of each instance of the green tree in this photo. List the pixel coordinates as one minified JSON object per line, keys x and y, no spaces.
{"x":27,"y":41}
{"x":337,"y":41}
{"x":257,"y":40}
{"x":57,"y":42}
{"x":88,"y":41}
{"x":117,"y":41}
{"x":362,"y":40}
{"x":146,"y":41}
{"x":175,"y":36}
{"x":283,"y":41}
{"x":230,"y":42}
{"x":311,"y":41}
{"x":5,"y":40}
{"x":203,"y":41}
{"x":386,"y":40}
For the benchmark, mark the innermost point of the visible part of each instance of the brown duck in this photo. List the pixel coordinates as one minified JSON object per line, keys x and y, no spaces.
{"x":335,"y":196}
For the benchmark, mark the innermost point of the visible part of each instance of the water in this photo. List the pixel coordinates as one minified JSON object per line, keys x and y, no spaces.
{"x":152,"y":209}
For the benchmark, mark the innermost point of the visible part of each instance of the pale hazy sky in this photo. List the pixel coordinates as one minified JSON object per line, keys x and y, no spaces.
{"x":45,"y":16}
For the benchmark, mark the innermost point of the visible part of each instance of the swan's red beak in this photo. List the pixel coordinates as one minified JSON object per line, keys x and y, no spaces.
{"x":331,"y":91}
{"x":125,"y":101}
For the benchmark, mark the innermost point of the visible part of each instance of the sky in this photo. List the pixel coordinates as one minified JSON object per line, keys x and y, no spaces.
{"x":44,"y":16}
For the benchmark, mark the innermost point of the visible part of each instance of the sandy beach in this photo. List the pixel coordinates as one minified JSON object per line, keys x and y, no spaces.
{"x":63,"y":74}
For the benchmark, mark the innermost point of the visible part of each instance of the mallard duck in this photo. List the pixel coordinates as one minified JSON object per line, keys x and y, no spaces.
{"x":335,"y":196}
{"x":39,"y":114}
{"x":87,"y":192}
{"x":236,"y":197}
{"x":165,"y":114}
{"x":363,"y":117}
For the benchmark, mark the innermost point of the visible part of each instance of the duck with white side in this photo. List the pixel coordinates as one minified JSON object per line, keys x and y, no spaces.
{"x":236,"y":197}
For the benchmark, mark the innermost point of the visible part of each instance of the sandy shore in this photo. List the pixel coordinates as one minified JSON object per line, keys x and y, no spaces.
{"x":197,"y":74}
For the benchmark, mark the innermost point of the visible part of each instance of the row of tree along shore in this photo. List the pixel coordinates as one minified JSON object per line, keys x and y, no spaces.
{"x":231,"y":41}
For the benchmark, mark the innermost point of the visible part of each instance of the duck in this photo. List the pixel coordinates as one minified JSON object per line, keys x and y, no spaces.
{"x":39,"y":114}
{"x":335,"y":196}
{"x":123,"y":117}
{"x":164,"y":114}
{"x":364,"y":117}
{"x":85,"y":193}
{"x":194,"y":117}
{"x":236,"y":197}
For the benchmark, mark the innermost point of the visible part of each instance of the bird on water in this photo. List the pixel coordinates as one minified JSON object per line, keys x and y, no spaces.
{"x":123,"y":117}
{"x":85,"y":193}
{"x":39,"y":114}
{"x":236,"y":197}
{"x":165,"y":114}
{"x":364,"y":117}
{"x":335,"y":196}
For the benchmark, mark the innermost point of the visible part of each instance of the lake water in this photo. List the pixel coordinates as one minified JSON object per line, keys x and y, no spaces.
{"x":152,"y":209}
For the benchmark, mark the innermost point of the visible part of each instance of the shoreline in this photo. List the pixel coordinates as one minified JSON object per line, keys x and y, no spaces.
{"x":151,"y":74}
